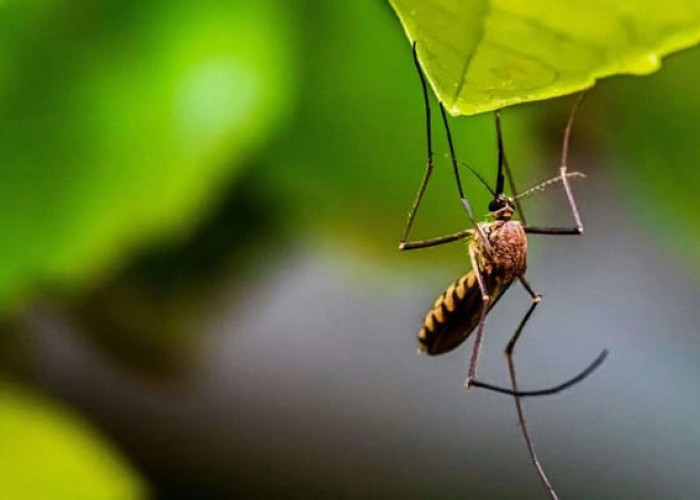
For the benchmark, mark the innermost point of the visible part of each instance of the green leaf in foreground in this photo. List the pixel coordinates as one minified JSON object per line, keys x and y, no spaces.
{"x":481,"y":55}
{"x":48,"y":453}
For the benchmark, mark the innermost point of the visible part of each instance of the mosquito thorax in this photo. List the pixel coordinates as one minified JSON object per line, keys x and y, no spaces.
{"x":501,"y":208}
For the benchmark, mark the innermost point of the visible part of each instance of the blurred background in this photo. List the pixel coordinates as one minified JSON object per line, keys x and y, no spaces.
{"x":202,"y":296}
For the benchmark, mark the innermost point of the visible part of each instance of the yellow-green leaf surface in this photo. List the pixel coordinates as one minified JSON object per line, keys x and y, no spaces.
{"x":481,"y":55}
{"x":48,"y":453}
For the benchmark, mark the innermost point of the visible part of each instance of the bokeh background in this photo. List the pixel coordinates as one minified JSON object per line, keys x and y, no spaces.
{"x":202,"y":296}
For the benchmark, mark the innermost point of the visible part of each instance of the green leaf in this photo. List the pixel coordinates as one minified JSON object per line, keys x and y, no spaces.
{"x":48,"y":453}
{"x":120,"y":122}
{"x":481,"y":55}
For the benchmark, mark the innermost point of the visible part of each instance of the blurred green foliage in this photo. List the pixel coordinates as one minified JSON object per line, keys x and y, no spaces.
{"x":483,"y":55}
{"x":650,"y":128}
{"x":120,"y":120}
{"x":47,"y":452}
{"x":121,"y":123}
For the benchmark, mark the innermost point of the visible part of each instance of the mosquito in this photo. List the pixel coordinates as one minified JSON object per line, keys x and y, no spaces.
{"x":498,"y":254}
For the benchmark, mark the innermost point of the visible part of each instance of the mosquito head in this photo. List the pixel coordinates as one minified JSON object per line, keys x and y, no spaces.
{"x":501,"y":208}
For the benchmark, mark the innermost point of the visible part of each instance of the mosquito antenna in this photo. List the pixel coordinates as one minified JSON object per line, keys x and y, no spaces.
{"x":476,"y":174}
{"x":544,"y":185}
{"x":481,"y":179}
{"x":552,"y":390}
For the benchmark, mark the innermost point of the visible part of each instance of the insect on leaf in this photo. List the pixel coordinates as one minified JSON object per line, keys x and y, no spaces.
{"x":481,"y":55}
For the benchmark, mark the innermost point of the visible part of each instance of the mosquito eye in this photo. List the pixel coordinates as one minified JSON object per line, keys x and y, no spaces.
{"x":495,"y":205}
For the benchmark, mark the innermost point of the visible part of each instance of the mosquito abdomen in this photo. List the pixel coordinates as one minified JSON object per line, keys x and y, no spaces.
{"x":456,"y":312}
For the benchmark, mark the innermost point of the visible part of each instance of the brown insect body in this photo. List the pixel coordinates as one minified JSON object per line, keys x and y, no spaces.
{"x":456,"y":313}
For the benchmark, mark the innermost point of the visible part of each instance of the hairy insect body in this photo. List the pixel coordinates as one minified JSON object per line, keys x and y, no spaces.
{"x":455,"y":313}
{"x":508,"y":244}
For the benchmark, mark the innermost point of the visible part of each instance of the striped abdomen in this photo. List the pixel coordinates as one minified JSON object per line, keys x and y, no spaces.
{"x":456,"y":312}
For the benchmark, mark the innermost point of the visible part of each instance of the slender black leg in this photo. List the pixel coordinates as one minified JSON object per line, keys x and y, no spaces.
{"x":509,"y":351}
{"x":503,"y":160}
{"x":410,"y":245}
{"x":453,"y":158}
{"x":463,"y":199}
{"x":513,"y":380}
{"x":429,"y":163}
{"x":474,"y":359}
{"x":551,"y":390}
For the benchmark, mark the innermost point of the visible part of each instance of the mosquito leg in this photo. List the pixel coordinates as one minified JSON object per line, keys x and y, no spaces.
{"x":404,"y":244}
{"x":471,"y":374}
{"x":503,"y":160}
{"x":509,"y":352}
{"x":450,"y":144}
{"x":553,"y":230}
{"x":518,"y":406}
{"x":462,"y":197}
{"x":550,"y":390}
{"x":578,"y":229}
{"x":412,"y":245}
{"x":429,"y":162}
